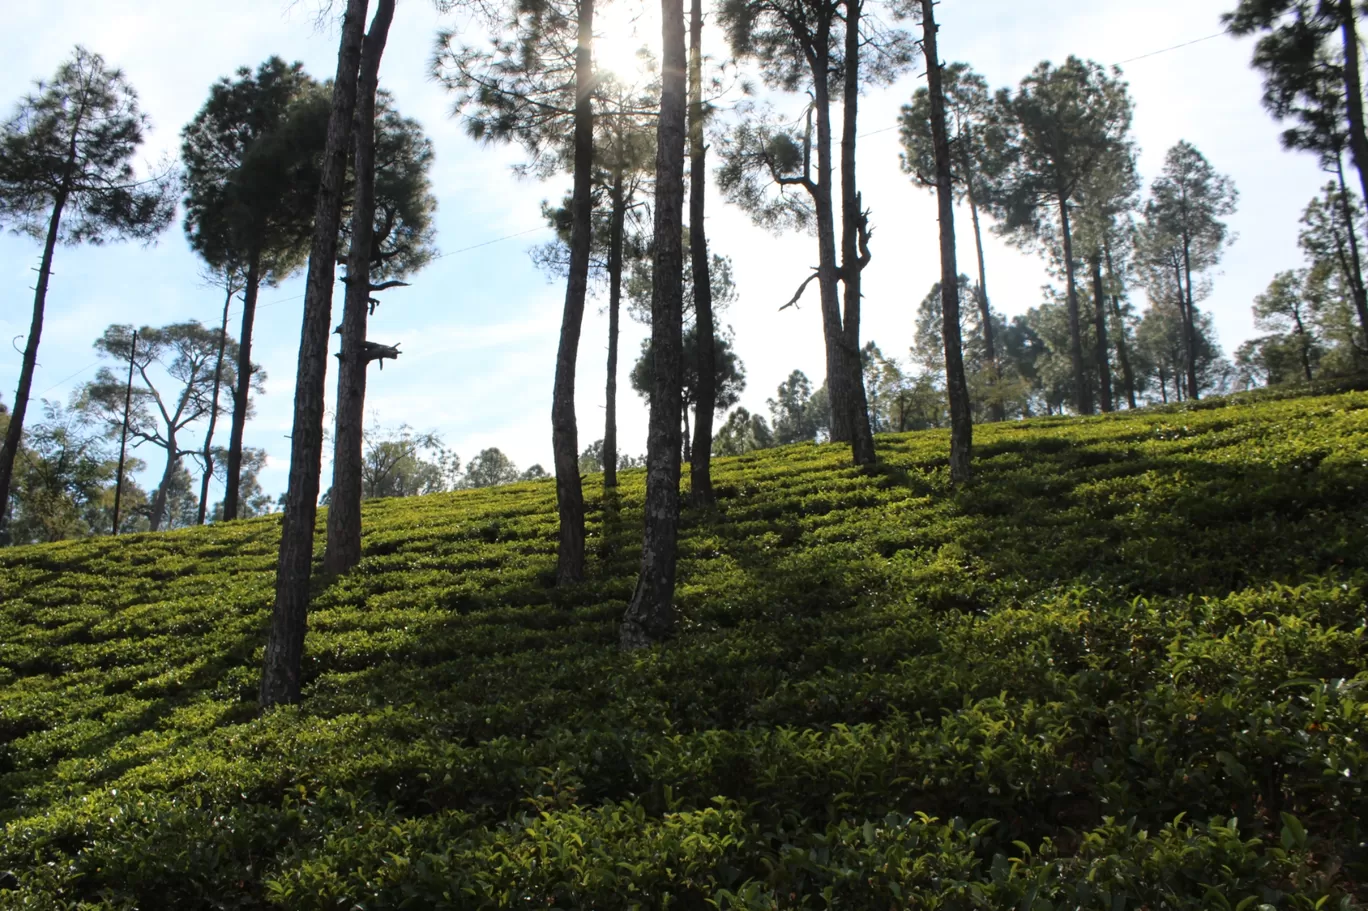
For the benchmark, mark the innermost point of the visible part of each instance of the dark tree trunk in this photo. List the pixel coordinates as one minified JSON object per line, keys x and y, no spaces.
{"x":1354,"y":267}
{"x":842,"y":427}
{"x":854,"y":245}
{"x":618,"y":226}
{"x":343,"y":550}
{"x":700,"y":452}
{"x":961,"y":420}
{"x":1082,"y":398}
{"x":282,"y":668}
{"x":14,"y":434}
{"x":997,"y":410}
{"x":213,"y":409}
{"x":1304,"y":343}
{"x":1104,"y":385}
{"x":1190,"y":323}
{"x":233,"y":481}
{"x":1127,"y":374}
{"x":158,"y":513}
{"x":564,"y":432}
{"x":649,"y":617}
{"x":1353,"y":93}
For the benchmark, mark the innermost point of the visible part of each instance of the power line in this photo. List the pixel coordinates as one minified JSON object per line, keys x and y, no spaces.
{"x":1175,"y":47}
{"x":488,"y":242}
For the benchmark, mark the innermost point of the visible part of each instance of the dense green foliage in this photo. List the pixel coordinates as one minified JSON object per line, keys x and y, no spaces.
{"x":1135,"y":642}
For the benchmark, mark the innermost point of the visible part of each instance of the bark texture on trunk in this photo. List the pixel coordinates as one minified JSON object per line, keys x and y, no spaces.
{"x":233,"y":482}
{"x":213,"y":409}
{"x":14,"y":434}
{"x":1353,"y":93}
{"x":564,"y":431}
{"x":343,"y":550}
{"x":837,"y":378}
{"x":1355,"y":265}
{"x":700,"y":452}
{"x":282,"y":669}
{"x":961,"y":420}
{"x":1082,"y":398}
{"x":1102,"y":350}
{"x":854,"y":245}
{"x":649,"y":617}
{"x":616,"y":229}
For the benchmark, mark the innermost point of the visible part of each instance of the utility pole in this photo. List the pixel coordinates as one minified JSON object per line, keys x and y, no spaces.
{"x":123,"y":437}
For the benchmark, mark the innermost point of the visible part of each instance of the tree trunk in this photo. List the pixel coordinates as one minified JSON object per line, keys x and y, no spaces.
{"x":961,"y":420}
{"x":14,"y":434}
{"x":650,"y":615}
{"x":1127,"y":374}
{"x":282,"y":668}
{"x":244,"y":386}
{"x":687,"y":441}
{"x":343,"y":549}
{"x":1190,"y":323}
{"x":213,"y":409}
{"x":1082,"y":398}
{"x":158,"y":513}
{"x":1353,"y":93}
{"x":1104,"y":386}
{"x":618,"y":226}
{"x":997,"y":411}
{"x":700,"y":452}
{"x":1356,"y":264}
{"x":854,"y":245}
{"x":564,"y":432}
{"x":842,"y":429}
{"x":1304,"y":343}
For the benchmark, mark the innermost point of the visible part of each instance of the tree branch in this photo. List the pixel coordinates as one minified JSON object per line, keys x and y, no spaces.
{"x":793,"y":301}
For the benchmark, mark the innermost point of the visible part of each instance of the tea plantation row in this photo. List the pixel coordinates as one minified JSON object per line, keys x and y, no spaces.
{"x":1125,"y":668}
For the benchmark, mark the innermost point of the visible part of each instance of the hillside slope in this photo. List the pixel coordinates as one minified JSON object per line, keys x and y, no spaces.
{"x":1135,"y":642}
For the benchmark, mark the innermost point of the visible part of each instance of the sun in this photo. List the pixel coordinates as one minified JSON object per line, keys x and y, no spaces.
{"x":625,"y":39}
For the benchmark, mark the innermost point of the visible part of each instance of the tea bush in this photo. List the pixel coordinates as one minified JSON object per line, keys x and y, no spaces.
{"x":1124,"y":668}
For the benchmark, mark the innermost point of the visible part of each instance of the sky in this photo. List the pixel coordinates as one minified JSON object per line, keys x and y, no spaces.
{"x":479,"y":327}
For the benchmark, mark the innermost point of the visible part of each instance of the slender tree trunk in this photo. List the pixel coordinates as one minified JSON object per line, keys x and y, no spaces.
{"x":650,"y":615}
{"x":854,"y":244}
{"x":241,"y":400}
{"x":618,"y":226}
{"x":14,"y":434}
{"x":1304,"y":343}
{"x":1082,"y":398}
{"x":213,"y":408}
{"x":1122,"y":352}
{"x":1190,"y":323}
{"x":158,"y":514}
{"x":700,"y":454}
{"x":1353,"y":93}
{"x":564,"y":432}
{"x":1104,"y":385}
{"x":1356,"y":272}
{"x":842,"y":428}
{"x":687,"y":440}
{"x":343,"y":550}
{"x":997,"y":411}
{"x":1163,"y":385}
{"x":961,"y":419}
{"x":282,"y":668}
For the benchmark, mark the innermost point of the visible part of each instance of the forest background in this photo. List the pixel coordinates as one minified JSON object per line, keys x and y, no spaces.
{"x":478,"y":328}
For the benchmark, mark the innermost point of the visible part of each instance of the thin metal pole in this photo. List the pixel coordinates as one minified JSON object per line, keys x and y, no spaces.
{"x":123,"y":437}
